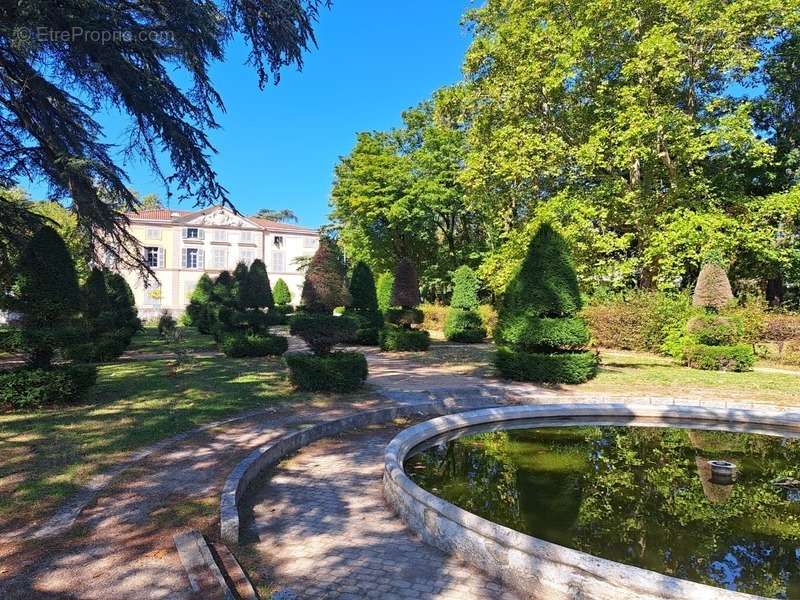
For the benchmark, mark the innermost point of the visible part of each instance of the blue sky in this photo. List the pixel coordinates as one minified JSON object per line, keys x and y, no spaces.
{"x":278,"y":147}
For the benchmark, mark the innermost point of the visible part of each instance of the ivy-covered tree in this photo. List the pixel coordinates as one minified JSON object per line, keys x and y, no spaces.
{"x":157,"y":75}
{"x":463,"y":323}
{"x":541,"y":336}
{"x":47,"y":297}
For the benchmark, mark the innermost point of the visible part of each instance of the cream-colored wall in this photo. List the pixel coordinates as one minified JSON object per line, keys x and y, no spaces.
{"x":176,"y":283}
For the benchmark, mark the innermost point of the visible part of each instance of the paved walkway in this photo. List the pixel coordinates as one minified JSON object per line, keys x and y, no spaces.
{"x":322,"y":531}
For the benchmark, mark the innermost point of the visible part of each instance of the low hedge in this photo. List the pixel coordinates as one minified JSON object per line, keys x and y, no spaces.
{"x":334,"y":372}
{"x":240,"y":345}
{"x":400,"y":339}
{"x":536,"y":334}
{"x":322,"y":331}
{"x":716,"y":330}
{"x":25,"y":388}
{"x":738,"y":357}
{"x":405,"y":316}
{"x":464,"y":326}
{"x":558,"y":367}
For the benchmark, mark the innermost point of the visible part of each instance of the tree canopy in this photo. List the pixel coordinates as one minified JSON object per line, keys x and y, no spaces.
{"x":154,"y":68}
{"x":649,"y":133}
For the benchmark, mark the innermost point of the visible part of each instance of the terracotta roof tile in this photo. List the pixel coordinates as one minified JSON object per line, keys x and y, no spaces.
{"x":158,"y":214}
{"x":281,"y":227}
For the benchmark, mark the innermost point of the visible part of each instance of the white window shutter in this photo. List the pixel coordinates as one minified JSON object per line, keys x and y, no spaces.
{"x":183,"y":257}
{"x":201,"y":259}
{"x":201,"y":234}
{"x":162,"y":258}
{"x":185,"y":232}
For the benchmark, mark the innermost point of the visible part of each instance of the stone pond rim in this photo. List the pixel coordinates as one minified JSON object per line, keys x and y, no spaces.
{"x":535,"y":567}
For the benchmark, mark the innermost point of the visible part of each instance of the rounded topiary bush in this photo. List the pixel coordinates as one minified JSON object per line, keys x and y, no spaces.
{"x":464,"y":326}
{"x":713,"y":288}
{"x":538,"y":329}
{"x":405,"y":317}
{"x":465,"y":289}
{"x":243,"y":345}
{"x":558,"y":367}
{"x":27,"y":388}
{"x":401,"y":339}
{"x":715,"y":330}
{"x":334,"y":372}
{"x":322,"y":332}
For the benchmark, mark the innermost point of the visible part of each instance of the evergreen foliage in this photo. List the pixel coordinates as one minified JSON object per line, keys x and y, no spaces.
{"x":384,"y":291}
{"x":465,"y":289}
{"x":95,"y":293}
{"x":322,"y":331}
{"x":363,"y":295}
{"x":401,"y":339}
{"x":281,"y":294}
{"x":334,"y":372}
{"x":47,"y":296}
{"x":198,"y":310}
{"x":257,"y":291}
{"x":239,"y":288}
{"x":405,"y":291}
{"x":324,"y":287}
{"x":540,"y":334}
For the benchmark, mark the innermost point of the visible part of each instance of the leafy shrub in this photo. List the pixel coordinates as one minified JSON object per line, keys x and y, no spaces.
{"x":639,"y":320}
{"x":489,"y":317}
{"x":464,"y":326}
{"x":368,"y":326}
{"x":335,"y":372}
{"x":383,"y":290}
{"x":434,"y":316}
{"x":281,"y":294}
{"x":322,"y":332}
{"x":28,"y":388}
{"x":781,"y":327}
{"x":559,"y":367}
{"x":242,"y":345}
{"x":166,"y":324}
{"x":10,"y":340}
{"x":401,"y":339}
{"x":405,"y":292}
{"x":465,"y":289}
{"x":715,"y":330}
{"x":284,"y":309}
{"x":405,"y":316}
{"x":739,"y":357}
{"x":539,"y":313}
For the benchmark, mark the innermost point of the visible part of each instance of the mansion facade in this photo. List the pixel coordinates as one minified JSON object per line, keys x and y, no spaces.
{"x":182,"y":245}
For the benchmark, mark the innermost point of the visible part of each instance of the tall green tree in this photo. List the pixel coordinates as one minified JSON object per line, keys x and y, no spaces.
{"x":47,"y":296}
{"x":158,"y":75}
{"x":283,"y":215}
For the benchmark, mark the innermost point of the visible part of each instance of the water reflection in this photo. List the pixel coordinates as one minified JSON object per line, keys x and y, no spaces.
{"x":639,"y":495}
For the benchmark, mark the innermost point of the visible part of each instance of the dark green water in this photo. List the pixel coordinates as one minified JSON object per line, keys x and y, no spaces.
{"x":637,"y":495}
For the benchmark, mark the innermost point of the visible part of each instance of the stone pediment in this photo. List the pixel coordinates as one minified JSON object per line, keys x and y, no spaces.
{"x":220,"y":217}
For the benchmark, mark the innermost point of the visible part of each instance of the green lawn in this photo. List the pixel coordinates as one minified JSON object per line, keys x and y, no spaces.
{"x":191,"y":341}
{"x":46,"y":455}
{"x":638,"y":373}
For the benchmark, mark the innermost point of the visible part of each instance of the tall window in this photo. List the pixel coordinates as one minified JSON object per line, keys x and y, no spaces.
{"x":154,"y":257}
{"x":220,"y":235}
{"x":277,"y":241}
{"x":278,"y":262}
{"x":246,"y":237}
{"x":219,"y":258}
{"x":153,"y":233}
{"x":309,"y":242}
{"x":192,"y":258}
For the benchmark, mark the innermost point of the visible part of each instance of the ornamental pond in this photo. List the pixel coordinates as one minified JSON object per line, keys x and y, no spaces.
{"x":638,"y":495}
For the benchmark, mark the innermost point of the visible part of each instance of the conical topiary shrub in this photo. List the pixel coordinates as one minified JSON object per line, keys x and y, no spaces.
{"x":282,"y":296}
{"x":384,"y":291}
{"x":713,"y":341}
{"x":323,"y":290}
{"x":540,"y":336}
{"x":463,"y":323}
{"x":198,"y":308}
{"x":363,"y":307}
{"x":399,"y":334}
{"x":47,"y":296}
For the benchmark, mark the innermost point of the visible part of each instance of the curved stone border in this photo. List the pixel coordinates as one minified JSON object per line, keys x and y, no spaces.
{"x":264,"y":457}
{"x":533,"y":566}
